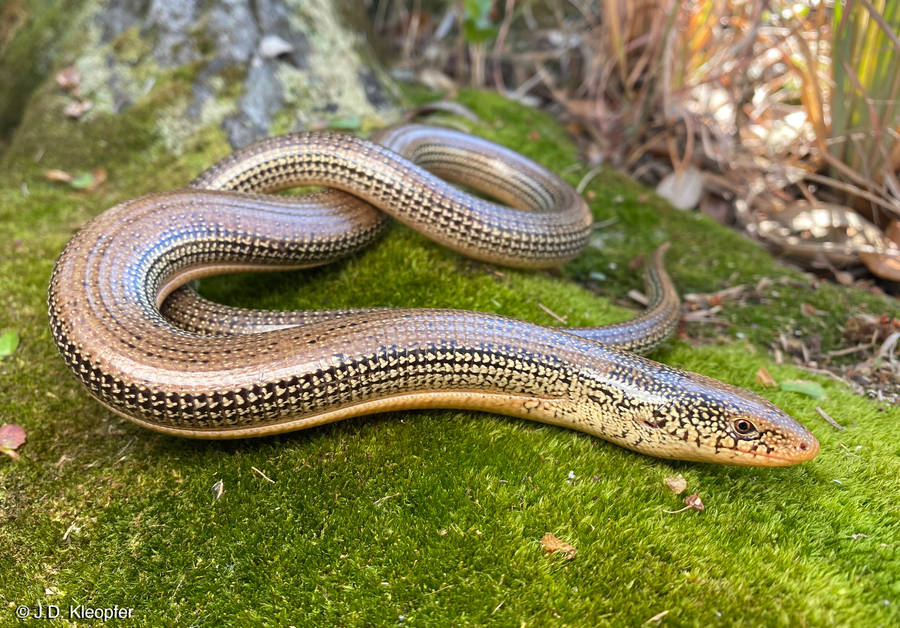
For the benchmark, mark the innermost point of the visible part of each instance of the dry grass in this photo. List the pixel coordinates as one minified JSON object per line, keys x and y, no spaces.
{"x":778,"y":107}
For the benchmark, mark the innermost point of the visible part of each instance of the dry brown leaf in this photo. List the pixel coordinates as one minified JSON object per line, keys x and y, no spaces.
{"x":884,"y":266}
{"x":436,"y":80}
{"x":763,"y":378}
{"x":87,"y":181}
{"x":822,"y":231}
{"x":550,"y":544}
{"x":58,"y":175}
{"x":843,"y":277}
{"x":808,"y":310}
{"x":716,"y":208}
{"x":677,"y":484}
{"x":892,"y":233}
{"x":69,"y":79}
{"x":586,"y":109}
{"x":77,"y":108}
{"x":12,"y":437}
{"x":636,"y":262}
{"x":694,"y":501}
{"x":691,"y":501}
{"x":98,"y":178}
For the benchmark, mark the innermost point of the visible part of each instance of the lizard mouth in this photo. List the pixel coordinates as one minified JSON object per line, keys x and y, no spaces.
{"x":805,"y":450}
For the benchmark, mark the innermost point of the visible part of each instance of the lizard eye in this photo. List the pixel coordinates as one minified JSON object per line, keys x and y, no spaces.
{"x":744,"y":427}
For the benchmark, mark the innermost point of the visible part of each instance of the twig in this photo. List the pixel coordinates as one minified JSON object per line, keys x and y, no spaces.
{"x":378,"y":501}
{"x":263,"y":475}
{"x":887,"y":348}
{"x":833,"y":376}
{"x":72,"y":528}
{"x":831,"y":421}
{"x":603,"y":224}
{"x":561,"y":319}
{"x":847,"y":350}
{"x":500,"y":42}
{"x":587,"y":178}
{"x":849,"y":187}
{"x":640,"y":297}
{"x":523,"y":89}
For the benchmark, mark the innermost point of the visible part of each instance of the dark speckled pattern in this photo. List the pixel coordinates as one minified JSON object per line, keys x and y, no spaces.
{"x":233,"y":381}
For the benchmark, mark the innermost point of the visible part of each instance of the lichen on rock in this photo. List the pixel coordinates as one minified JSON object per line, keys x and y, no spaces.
{"x":246,"y":67}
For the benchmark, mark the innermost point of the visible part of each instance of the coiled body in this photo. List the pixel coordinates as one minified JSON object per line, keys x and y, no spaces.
{"x":209,"y":371}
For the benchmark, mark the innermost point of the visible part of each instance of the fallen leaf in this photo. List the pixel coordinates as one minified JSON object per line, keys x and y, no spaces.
{"x":69,"y":79}
{"x":843,"y":277}
{"x":99,"y":175}
{"x":58,"y":175}
{"x":551,"y":544}
{"x":87,"y":181}
{"x":347,"y":123}
{"x":436,"y":80}
{"x":833,"y":232}
{"x":884,"y":266}
{"x":9,"y":340}
{"x":82,"y":181}
{"x":694,"y":501}
{"x":12,"y":437}
{"x":636,"y":262}
{"x":582,"y":108}
{"x":763,"y":378}
{"x":691,"y":501}
{"x":808,"y":310}
{"x":77,"y":108}
{"x":218,"y":488}
{"x":683,"y":189}
{"x":676,"y":484}
{"x":892,"y":233}
{"x":805,"y":387}
{"x":717,"y":209}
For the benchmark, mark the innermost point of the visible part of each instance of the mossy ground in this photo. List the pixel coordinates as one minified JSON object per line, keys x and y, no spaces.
{"x":430,"y":518}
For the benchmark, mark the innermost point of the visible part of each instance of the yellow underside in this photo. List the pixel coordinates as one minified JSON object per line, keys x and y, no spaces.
{"x":532,"y":408}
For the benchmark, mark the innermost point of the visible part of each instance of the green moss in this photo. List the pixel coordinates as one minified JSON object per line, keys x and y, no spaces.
{"x":433,"y":516}
{"x":131,"y":48}
{"x":26,"y":59}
